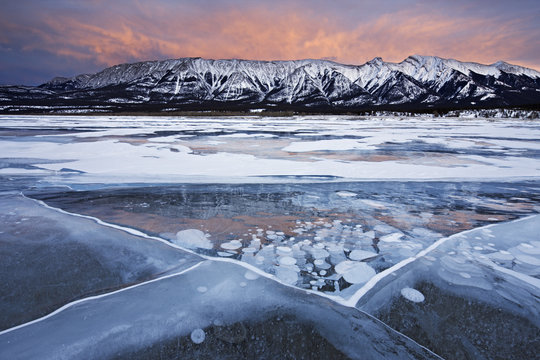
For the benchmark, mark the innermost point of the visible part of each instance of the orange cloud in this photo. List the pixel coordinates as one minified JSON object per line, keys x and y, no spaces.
{"x":269,"y":34}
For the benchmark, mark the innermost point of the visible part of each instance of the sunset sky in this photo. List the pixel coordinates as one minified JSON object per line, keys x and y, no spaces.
{"x":41,"y":39}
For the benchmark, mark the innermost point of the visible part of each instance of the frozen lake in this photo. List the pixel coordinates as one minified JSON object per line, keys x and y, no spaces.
{"x":331,"y":217}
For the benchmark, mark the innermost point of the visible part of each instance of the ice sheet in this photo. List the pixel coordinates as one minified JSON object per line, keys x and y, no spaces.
{"x":459,"y":260}
{"x":120,"y":148}
{"x":465,"y":294}
{"x":301,"y":233}
{"x":344,"y":240}
{"x":50,"y":258}
{"x":134,"y":318}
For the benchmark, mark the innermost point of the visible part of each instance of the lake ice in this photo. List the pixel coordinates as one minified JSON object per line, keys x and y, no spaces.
{"x":375,"y":215}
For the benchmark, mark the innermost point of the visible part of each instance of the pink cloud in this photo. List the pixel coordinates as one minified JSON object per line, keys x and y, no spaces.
{"x":263,"y":33}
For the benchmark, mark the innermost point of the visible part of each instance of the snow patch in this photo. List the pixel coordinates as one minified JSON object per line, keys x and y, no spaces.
{"x":346,"y":194}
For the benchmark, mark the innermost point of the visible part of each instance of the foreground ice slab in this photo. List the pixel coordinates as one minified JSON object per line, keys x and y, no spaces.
{"x":212,"y":306}
{"x":474,"y":295}
{"x":49,"y":259}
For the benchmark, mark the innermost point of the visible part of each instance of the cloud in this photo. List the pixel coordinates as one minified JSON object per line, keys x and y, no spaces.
{"x":107,"y":33}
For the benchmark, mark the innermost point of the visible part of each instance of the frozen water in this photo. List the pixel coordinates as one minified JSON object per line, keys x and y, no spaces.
{"x":351,"y":209}
{"x":501,"y":256}
{"x":473,"y":149}
{"x":329,"y":235}
{"x":52,"y":258}
{"x":250,"y":275}
{"x":344,"y":144}
{"x":527,"y":259}
{"x":224,"y":254}
{"x":287,"y":275}
{"x":465,"y":289}
{"x":346,"y":194}
{"x":395,"y":237}
{"x":135,"y":318}
{"x":359,"y":274}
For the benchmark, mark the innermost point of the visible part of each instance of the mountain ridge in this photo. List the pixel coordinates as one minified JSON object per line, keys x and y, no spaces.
{"x":421,"y":82}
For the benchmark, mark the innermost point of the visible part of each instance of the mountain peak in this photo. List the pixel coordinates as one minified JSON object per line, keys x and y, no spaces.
{"x":418,"y":82}
{"x":423,"y":60}
{"x":500,"y":63}
{"x":376,"y":60}
{"x":515,"y":69}
{"x":418,"y":57}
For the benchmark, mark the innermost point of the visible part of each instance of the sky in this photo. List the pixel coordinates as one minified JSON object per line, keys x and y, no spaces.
{"x":41,"y":39}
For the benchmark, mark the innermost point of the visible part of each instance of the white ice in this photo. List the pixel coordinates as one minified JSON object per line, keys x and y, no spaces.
{"x":111,"y":155}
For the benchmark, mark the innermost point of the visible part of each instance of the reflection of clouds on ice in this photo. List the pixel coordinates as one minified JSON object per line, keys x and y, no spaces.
{"x":326,"y":145}
{"x":243,"y":135}
{"x":321,"y":230}
{"x":383,"y":224}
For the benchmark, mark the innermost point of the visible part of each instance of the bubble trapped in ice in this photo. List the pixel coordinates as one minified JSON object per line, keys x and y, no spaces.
{"x":192,"y":238}
{"x":355,"y":272}
{"x":412,"y":295}
{"x":232,"y":245}
{"x":198,"y":336}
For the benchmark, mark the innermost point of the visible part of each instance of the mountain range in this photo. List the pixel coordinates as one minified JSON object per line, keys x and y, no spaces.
{"x":418,"y":82}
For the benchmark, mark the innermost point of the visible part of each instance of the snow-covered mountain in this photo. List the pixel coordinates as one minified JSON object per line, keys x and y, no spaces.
{"x":417,"y":82}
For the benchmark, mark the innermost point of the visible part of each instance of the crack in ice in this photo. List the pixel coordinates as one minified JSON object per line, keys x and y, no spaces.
{"x":71,"y":304}
{"x":353,"y":300}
